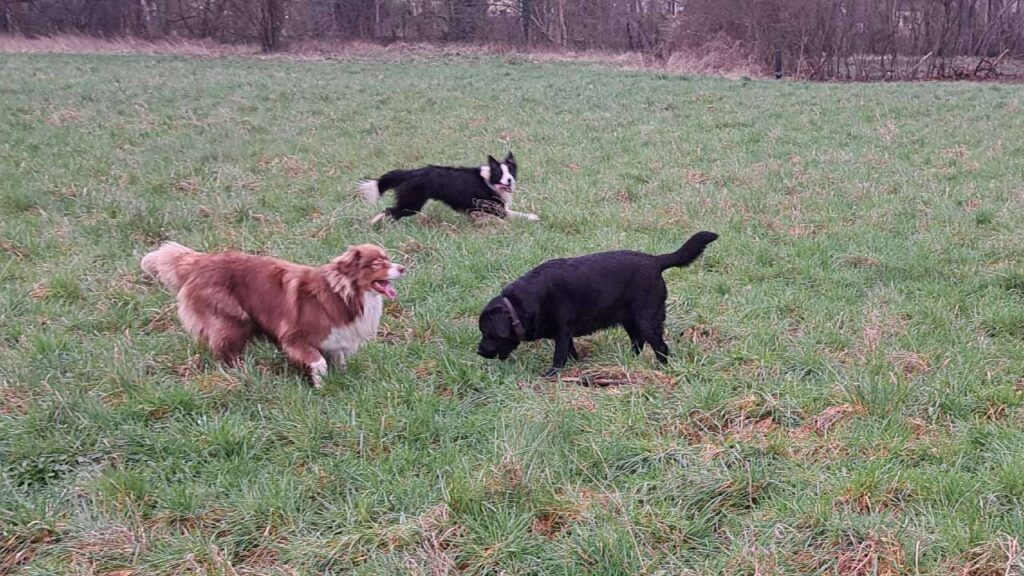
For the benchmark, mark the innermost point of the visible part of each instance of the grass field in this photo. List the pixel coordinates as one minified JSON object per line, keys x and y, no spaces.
{"x":847,"y":389}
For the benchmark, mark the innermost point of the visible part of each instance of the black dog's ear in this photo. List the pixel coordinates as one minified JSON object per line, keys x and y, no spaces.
{"x":496,"y":322}
{"x":494,"y":164}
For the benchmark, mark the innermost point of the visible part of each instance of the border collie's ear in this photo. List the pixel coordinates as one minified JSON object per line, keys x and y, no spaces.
{"x":510,"y":159}
{"x":494,"y":164}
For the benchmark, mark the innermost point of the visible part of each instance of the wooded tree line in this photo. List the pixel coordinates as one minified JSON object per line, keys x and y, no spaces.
{"x":822,"y":39}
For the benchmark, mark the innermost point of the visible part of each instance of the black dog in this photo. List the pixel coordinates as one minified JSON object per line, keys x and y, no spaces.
{"x":481,"y":189}
{"x":571,"y":297}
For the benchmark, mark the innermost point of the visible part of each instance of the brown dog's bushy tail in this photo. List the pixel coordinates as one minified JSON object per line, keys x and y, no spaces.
{"x":171,"y":264}
{"x":689,"y":251}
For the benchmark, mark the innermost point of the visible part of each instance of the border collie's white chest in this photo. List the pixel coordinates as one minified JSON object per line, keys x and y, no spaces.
{"x":347,"y":339}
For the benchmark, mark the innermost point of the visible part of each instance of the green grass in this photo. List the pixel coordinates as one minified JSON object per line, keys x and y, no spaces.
{"x":847,"y":389}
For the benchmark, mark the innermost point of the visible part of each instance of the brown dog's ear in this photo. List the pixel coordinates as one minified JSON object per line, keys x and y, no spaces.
{"x":349,"y":259}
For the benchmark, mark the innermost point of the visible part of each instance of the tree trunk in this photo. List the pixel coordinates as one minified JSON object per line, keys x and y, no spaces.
{"x":145,"y":22}
{"x":525,"y":14}
{"x":464,"y":18}
{"x":9,"y":17}
{"x":272,"y":20}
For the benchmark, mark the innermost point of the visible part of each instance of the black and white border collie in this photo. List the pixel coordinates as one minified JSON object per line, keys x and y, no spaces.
{"x":485,"y":189}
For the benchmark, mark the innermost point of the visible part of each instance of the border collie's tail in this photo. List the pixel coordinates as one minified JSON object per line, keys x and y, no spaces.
{"x":373,"y":189}
{"x":170,"y":264}
{"x":689,"y":251}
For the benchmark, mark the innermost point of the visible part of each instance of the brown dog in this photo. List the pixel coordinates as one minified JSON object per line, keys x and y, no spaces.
{"x":312,"y":314}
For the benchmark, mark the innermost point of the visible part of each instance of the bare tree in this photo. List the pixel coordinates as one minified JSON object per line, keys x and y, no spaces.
{"x":825,"y":39}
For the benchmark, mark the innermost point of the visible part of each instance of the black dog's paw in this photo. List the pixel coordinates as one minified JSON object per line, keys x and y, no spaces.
{"x":550,"y":372}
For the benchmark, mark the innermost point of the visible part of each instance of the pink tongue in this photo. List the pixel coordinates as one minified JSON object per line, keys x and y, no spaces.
{"x":390,"y":292}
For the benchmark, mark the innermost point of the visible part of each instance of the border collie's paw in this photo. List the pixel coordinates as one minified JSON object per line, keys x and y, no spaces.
{"x":532,"y":217}
{"x":550,"y":372}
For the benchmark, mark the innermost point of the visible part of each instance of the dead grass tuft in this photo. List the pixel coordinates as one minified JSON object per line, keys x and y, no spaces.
{"x":412,"y":246}
{"x":910,"y":363}
{"x":16,"y":550}
{"x":697,"y":177}
{"x":615,"y":376}
{"x":165,"y":319}
{"x":1003,"y":556}
{"x":63,"y":116}
{"x":436,"y":224}
{"x":549,"y":524}
{"x":745,"y":420}
{"x":189,"y":187}
{"x":425,"y":369}
{"x":859,"y":261}
{"x":879,"y":326}
{"x":190,"y":368}
{"x":865,"y":502}
{"x":888,"y":131}
{"x":12,"y":249}
{"x":398,"y":328}
{"x":506,"y":477}
{"x":826,"y":420}
{"x":959,"y":152}
{"x":14,"y":399}
{"x":874,"y":555}
{"x":961,"y":155}
{"x":260,"y":561}
{"x":291,"y":166}
{"x":214,"y":381}
{"x":113,"y":542}
{"x":436,"y":553}
{"x":704,"y":336}
{"x":41,"y":291}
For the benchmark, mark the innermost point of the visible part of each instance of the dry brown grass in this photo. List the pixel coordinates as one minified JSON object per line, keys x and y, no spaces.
{"x":910,"y":363}
{"x":14,"y":399}
{"x":1003,"y":556}
{"x":880,"y":326}
{"x":830,"y":417}
{"x":747,"y":420}
{"x":16,"y":550}
{"x":877,"y":554}
{"x":505,"y":477}
{"x":73,"y":44}
{"x":714,"y":59}
{"x":165,"y":319}
{"x":112,"y":542}
{"x":708,"y":61}
{"x":436,"y":554}
{"x":605,"y":376}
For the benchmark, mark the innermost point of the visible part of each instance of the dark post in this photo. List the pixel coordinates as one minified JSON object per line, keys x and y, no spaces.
{"x":778,"y":64}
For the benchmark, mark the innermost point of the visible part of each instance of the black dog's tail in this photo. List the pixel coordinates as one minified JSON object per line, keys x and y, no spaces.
{"x":372,"y":189}
{"x":689,"y":251}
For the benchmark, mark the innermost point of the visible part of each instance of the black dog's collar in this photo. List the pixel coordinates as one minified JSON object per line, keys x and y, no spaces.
{"x":516,"y":324}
